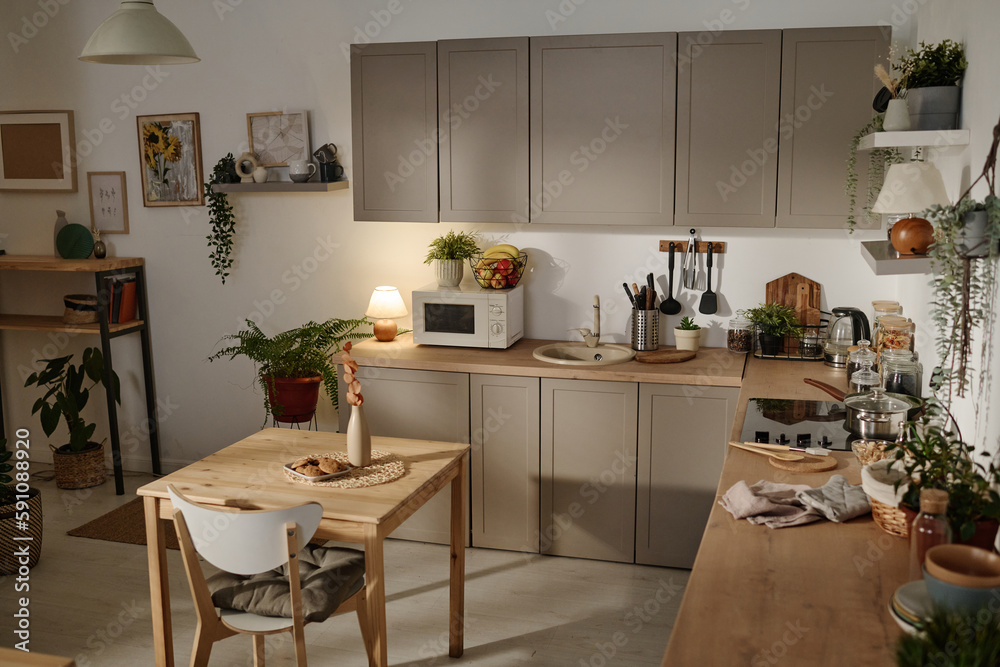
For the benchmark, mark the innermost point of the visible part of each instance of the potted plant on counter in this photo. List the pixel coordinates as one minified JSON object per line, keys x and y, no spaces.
{"x":292,"y":364}
{"x":449,"y":254}
{"x":20,"y":516}
{"x":687,"y":334}
{"x":78,"y":464}
{"x":931,"y":77}
{"x":773,"y":322}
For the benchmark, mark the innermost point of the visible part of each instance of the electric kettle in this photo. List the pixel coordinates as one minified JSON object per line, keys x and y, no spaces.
{"x":847,"y":327}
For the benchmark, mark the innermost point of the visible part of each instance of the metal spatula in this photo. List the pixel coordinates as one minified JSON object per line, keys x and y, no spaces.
{"x":709,"y":300}
{"x":689,"y":271}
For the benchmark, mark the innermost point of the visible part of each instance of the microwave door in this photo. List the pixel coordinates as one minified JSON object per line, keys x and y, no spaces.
{"x":455,"y":322}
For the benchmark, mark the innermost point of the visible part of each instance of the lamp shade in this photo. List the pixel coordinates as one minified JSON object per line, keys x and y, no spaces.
{"x":911,"y":187}
{"x":137,"y":34}
{"x":386,"y":304}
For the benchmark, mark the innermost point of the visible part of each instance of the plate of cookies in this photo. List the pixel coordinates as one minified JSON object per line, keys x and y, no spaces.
{"x":318,"y":468}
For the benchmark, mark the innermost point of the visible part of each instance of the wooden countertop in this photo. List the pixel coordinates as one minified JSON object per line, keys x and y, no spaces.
{"x":807,"y":595}
{"x":713,"y":367}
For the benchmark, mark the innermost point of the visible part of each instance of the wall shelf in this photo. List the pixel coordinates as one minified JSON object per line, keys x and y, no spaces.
{"x":281,"y":186}
{"x":914,"y":139}
{"x":885,"y":261}
{"x":55,"y":323}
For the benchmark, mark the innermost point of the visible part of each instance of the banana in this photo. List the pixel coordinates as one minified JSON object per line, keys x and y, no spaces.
{"x":505,"y":248}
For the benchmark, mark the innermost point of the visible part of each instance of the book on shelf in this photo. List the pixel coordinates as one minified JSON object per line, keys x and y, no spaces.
{"x":120,"y":298}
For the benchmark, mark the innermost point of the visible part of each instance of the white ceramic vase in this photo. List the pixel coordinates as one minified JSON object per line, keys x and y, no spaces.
{"x":897,"y":116}
{"x":359,"y":439}
{"x":687,"y":339}
{"x":449,"y":272}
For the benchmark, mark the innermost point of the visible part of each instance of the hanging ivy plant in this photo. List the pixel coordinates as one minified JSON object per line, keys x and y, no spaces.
{"x":879,"y":161}
{"x":220,"y":215}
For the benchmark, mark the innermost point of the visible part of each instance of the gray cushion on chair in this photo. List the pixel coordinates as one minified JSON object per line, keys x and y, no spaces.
{"x":329,"y":575}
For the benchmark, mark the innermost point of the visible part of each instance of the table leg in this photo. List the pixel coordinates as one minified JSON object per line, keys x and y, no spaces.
{"x":159,"y":588}
{"x":456,"y":626}
{"x":375,"y":593}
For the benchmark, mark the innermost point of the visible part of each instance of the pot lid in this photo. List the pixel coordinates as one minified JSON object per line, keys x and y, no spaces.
{"x":876,"y":401}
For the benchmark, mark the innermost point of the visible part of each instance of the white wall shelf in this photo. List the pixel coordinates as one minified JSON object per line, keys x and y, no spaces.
{"x":914,"y":138}
{"x":281,"y":186}
{"x":885,"y":261}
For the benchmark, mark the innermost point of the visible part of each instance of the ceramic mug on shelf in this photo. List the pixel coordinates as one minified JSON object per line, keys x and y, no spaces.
{"x":301,"y":171}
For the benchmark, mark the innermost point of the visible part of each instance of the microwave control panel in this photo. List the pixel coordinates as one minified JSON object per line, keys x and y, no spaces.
{"x":506,"y":318}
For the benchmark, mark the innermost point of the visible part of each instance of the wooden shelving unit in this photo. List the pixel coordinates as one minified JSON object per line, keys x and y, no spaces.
{"x":100,"y":268}
{"x":281,"y":186}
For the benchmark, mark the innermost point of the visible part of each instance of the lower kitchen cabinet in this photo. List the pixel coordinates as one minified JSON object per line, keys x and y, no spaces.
{"x":504,"y":416}
{"x":683,"y":436}
{"x":428,"y":405}
{"x":588,"y":468}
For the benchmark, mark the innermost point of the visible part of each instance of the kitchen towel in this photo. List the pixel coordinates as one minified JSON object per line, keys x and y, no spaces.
{"x":837,"y":500}
{"x":778,"y":505}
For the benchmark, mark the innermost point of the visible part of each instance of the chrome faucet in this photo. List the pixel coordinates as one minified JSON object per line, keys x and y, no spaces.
{"x":592,"y":338}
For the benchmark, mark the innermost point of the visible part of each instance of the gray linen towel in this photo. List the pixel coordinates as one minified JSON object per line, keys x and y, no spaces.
{"x":769,"y":503}
{"x":837,"y":500}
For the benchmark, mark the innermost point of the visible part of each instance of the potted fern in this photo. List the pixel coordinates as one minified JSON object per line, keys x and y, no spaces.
{"x":292,"y":364}
{"x":449,"y":253}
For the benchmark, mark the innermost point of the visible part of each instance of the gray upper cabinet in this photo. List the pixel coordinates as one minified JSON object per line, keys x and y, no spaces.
{"x":827,"y":84}
{"x":602,"y":129}
{"x":483,"y":119}
{"x":727,"y":134}
{"x":394,"y":120}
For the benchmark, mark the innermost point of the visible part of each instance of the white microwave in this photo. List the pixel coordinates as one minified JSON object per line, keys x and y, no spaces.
{"x":468,"y":316}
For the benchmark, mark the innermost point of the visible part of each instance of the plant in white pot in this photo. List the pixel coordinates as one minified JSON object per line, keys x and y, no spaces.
{"x":687,"y":334}
{"x":449,"y":253}
{"x":931,"y":77}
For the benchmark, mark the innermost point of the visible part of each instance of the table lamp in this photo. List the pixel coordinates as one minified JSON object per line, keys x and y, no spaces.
{"x":385,"y":306}
{"x":908,"y":189}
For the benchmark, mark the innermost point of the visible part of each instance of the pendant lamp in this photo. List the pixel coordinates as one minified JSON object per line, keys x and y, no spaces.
{"x":137,"y":34}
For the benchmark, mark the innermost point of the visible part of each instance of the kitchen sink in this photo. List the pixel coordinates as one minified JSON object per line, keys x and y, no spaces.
{"x":578,"y":354}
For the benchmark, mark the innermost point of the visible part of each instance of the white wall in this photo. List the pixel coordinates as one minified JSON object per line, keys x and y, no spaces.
{"x":260,"y":56}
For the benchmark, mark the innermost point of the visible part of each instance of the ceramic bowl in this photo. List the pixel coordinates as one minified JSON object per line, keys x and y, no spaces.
{"x":963,"y":599}
{"x":964,"y":565}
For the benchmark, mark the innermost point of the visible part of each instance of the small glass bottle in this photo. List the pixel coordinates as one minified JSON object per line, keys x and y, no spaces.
{"x":929,"y":529}
{"x":863,"y":352}
{"x":901,"y":374}
{"x":864,"y":380}
{"x":739,"y":336}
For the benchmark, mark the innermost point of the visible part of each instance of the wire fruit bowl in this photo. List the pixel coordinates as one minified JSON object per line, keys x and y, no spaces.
{"x":498,"y":272}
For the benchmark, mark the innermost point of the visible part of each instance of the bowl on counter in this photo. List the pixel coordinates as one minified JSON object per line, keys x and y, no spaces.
{"x":498,"y":272}
{"x":963,"y":577}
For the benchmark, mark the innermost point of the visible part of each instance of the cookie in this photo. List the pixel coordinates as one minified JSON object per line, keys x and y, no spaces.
{"x":329,"y":465}
{"x":311,"y":471}
{"x":304,"y":461}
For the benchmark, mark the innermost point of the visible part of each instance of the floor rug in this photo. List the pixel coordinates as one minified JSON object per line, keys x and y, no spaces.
{"x":125,"y":524}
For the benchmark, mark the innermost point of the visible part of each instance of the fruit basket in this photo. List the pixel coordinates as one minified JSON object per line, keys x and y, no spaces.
{"x":498,"y":269}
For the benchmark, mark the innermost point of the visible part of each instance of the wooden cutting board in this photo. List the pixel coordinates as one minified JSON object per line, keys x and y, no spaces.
{"x":786,"y":291}
{"x":665,"y":356}
{"x":807,"y":464}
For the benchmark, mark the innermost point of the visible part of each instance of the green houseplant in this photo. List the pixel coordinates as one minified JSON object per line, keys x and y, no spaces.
{"x":20,"y":513}
{"x":79,"y":463}
{"x":951,"y":639}
{"x":291,"y":365}
{"x":879,"y":160}
{"x":220,"y":216}
{"x":687,"y":334}
{"x":773,"y":322}
{"x":449,"y":253}
{"x":931,"y":77}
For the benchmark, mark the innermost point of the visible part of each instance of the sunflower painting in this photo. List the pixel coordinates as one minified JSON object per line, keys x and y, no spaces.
{"x":170,"y":154}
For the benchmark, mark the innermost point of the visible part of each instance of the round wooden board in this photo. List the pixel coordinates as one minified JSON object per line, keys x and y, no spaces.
{"x":665,"y":356}
{"x":807,"y":464}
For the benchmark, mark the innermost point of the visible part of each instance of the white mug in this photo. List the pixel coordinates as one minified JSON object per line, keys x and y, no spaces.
{"x":301,"y":167}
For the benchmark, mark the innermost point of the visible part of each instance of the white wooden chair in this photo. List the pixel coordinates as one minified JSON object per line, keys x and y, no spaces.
{"x":249,"y":546}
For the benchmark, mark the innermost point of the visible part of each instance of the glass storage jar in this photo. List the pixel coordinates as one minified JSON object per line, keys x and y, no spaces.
{"x":739,"y":336}
{"x":883,"y":308}
{"x":901,"y":374}
{"x":894,"y":333}
{"x":864,"y":379}
{"x":860,"y":353}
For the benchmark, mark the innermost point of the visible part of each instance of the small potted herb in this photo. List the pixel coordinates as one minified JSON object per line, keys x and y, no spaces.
{"x":688,"y":335}
{"x":931,"y":77}
{"x":449,"y":253}
{"x":773,"y":322}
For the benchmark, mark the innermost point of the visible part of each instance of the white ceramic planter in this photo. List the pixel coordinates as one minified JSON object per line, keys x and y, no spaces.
{"x":687,"y":339}
{"x":449,"y":272}
{"x":897,"y":116}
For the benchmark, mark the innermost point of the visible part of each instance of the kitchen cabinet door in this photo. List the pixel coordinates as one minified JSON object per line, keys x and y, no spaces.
{"x":588,"y":441}
{"x":483,"y":121}
{"x":827,"y":86}
{"x":683,"y":436}
{"x":602,"y":129}
{"x":505,"y":459}
{"x":427,"y":405}
{"x":394,"y":128}
{"x":727,"y":129}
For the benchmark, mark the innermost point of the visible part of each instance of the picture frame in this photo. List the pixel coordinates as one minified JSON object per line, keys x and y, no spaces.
{"x":170,"y":160}
{"x":108,"y":201}
{"x":279,"y":137}
{"x":37,"y":151}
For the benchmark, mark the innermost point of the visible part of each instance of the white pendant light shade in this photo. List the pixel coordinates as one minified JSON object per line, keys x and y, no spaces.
{"x":911,"y":187}
{"x":137,"y":34}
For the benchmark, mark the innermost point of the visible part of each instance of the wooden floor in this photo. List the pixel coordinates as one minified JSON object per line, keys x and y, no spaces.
{"x":90,"y":601}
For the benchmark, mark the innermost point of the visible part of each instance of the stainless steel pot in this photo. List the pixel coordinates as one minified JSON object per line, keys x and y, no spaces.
{"x":874,"y":414}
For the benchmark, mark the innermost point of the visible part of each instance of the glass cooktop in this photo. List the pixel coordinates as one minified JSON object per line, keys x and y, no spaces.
{"x":798,"y":423}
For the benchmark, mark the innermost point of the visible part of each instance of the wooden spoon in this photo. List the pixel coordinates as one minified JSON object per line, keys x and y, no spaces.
{"x":784,"y":456}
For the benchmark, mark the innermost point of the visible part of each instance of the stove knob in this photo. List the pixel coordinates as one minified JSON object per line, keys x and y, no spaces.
{"x":803,"y":439}
{"x":782,"y":440}
{"x":825,"y":442}
{"x":762,"y":436}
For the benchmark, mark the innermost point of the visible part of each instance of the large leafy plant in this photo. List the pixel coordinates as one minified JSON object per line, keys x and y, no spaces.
{"x":935,"y":65}
{"x":774,"y":319}
{"x":220,"y":216}
{"x":302,"y":352}
{"x":66,"y":396}
{"x":453,"y":245}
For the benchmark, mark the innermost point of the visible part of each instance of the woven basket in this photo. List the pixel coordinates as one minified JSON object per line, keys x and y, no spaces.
{"x":9,"y":529}
{"x":80,"y":309}
{"x":79,"y":470}
{"x":891,"y":519}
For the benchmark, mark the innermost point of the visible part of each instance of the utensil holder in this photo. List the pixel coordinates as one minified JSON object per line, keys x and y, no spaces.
{"x":645,"y":329}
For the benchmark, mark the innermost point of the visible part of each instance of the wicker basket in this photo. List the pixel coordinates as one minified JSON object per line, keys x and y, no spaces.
{"x":80,"y":309}
{"x":79,"y":470}
{"x":892,"y":520}
{"x":10,"y":529}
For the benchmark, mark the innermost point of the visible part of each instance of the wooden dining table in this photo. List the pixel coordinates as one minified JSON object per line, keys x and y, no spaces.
{"x":248,"y":475}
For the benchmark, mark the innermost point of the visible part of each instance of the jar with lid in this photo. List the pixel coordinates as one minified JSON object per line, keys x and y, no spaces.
{"x":901,"y":373}
{"x":929,"y":529}
{"x":739,"y":336}
{"x":864,"y":379}
{"x":883,"y":308}
{"x":862,"y":352}
{"x":894,"y":333}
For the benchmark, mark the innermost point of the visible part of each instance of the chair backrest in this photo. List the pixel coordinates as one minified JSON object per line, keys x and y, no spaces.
{"x":246,"y":541}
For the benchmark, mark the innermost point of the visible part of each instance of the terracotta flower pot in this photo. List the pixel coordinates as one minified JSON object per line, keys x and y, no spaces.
{"x":293,"y":400}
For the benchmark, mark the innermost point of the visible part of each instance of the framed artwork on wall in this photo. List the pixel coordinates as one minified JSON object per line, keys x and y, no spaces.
{"x":36,"y":151}
{"x":170,"y":160}
{"x":278,"y":137}
{"x":108,"y":201}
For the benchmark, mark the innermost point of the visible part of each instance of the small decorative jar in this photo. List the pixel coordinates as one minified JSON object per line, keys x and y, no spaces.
{"x":858,"y":355}
{"x":864,"y":380}
{"x":739,"y":335}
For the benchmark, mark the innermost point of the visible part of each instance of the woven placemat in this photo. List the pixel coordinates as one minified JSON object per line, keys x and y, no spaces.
{"x":385,"y":467}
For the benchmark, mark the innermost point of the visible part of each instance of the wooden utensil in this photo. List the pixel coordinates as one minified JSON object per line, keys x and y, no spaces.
{"x":784,"y":456}
{"x":807,"y":464}
{"x":784,"y":290}
{"x":665,"y":356}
